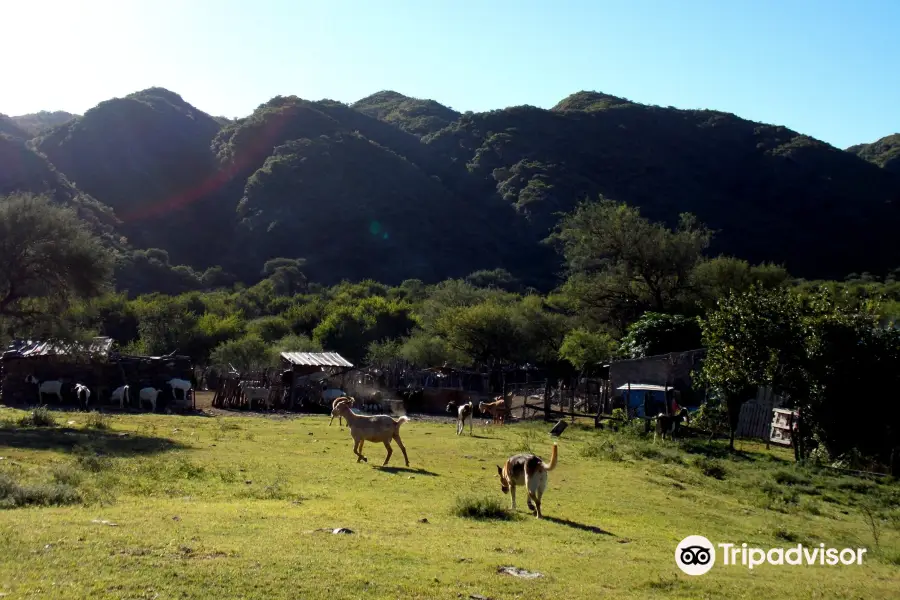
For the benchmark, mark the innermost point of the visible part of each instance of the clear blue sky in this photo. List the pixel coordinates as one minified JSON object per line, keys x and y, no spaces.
{"x":827,"y":68}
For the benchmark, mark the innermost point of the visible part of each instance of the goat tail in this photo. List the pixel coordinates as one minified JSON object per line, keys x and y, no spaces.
{"x":553,"y":457}
{"x":401,"y":420}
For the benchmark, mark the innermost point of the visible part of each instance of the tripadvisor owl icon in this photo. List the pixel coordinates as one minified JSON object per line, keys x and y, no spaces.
{"x":695,"y":555}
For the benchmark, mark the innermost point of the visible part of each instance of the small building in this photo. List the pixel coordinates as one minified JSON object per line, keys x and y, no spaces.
{"x":305,"y":371}
{"x":95,"y":364}
{"x":657,"y":373}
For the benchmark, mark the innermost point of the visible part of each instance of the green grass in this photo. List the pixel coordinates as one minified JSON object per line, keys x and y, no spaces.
{"x":243,"y":507}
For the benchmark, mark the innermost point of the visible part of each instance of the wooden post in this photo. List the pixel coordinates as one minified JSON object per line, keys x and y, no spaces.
{"x":572,"y":399}
{"x":628,"y":399}
{"x":547,"y":406}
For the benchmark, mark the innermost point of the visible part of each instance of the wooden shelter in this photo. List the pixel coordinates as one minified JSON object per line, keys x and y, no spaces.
{"x":308,"y":371}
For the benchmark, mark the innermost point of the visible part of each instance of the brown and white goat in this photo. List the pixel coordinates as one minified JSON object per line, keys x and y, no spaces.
{"x":337,"y":402}
{"x":378,"y":428}
{"x":497,"y":409}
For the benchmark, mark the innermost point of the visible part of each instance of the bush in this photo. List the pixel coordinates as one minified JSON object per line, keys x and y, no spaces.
{"x":67,"y":474}
{"x":39,"y":417}
{"x":602,"y":449}
{"x":789,"y":478}
{"x":480,"y":507}
{"x":96,"y":420}
{"x":711,"y":467}
{"x":14,"y":494}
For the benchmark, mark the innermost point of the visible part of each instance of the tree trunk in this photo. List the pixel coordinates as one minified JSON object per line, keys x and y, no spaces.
{"x":734,"y":415}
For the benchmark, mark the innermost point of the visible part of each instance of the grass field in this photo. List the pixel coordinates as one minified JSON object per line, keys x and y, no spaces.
{"x":154,"y":506}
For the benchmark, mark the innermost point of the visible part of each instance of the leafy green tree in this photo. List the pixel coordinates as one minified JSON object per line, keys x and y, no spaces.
{"x":717,"y":277}
{"x":488,"y":333}
{"x":425,"y":349}
{"x":583,"y":348}
{"x":350,"y":329}
{"x":757,"y":338}
{"x":286,"y":275}
{"x":540,"y":331}
{"x":621,"y":264}
{"x":249,"y":353}
{"x":494,"y":278}
{"x":848,"y":350}
{"x":269,"y":328}
{"x":383,"y":352}
{"x":657,"y":333}
{"x":49,"y":258}
{"x":297,"y":343}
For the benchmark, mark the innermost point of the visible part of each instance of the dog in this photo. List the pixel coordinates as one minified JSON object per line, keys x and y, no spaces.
{"x":668,"y":424}
{"x":530,"y":471}
{"x":463,"y":412}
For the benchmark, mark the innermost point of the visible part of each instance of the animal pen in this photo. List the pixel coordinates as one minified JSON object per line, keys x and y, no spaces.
{"x":95,"y":365}
{"x":300,"y":383}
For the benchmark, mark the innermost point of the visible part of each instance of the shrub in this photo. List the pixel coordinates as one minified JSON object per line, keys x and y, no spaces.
{"x":14,"y":494}
{"x":785,"y":535}
{"x":39,"y":417}
{"x":67,"y":474}
{"x":711,"y":467}
{"x":480,"y":507}
{"x":96,"y":420}
{"x":789,"y":478}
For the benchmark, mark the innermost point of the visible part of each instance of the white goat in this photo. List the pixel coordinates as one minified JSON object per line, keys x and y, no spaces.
{"x":83,"y":394}
{"x":257,"y":393}
{"x":180,"y":384}
{"x":53,"y":388}
{"x":148,"y":394}
{"x":378,"y":428}
{"x":121,"y":394}
{"x":337,"y":402}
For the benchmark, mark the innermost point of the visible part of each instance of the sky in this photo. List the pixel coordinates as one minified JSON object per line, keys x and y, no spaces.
{"x":826,"y":68}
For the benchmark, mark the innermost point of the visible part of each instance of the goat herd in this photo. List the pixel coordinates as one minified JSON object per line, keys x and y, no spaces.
{"x":122,"y":394}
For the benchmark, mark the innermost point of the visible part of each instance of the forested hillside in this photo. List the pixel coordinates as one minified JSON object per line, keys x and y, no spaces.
{"x":393,"y":187}
{"x":885,"y":152}
{"x":36,"y":123}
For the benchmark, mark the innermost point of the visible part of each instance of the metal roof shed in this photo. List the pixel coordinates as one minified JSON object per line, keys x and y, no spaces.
{"x":306,"y":363}
{"x":316,"y":359}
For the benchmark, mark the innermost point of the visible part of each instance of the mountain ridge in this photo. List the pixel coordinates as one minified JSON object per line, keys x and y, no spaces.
{"x":489,"y":185}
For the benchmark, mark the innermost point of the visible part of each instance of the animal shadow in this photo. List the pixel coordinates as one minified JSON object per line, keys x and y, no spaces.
{"x":575,"y":525}
{"x":400,"y":470}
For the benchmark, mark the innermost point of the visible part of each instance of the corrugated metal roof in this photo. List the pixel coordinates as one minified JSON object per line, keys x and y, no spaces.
{"x":643,"y":387}
{"x":316,"y":359}
{"x":29,"y":348}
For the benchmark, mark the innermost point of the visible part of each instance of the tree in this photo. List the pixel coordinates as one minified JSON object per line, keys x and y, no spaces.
{"x":494,"y":278}
{"x":286,"y":274}
{"x":424,"y":349}
{"x":49,"y":258}
{"x":583,"y":348}
{"x":249,"y":353}
{"x":717,"y":277}
{"x":621,"y":264}
{"x":488,"y":333}
{"x":757,"y":338}
{"x":657,"y":333}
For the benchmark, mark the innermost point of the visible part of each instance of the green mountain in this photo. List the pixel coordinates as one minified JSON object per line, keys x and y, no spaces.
{"x":419,"y":117}
{"x":394,"y":187}
{"x":36,"y":123}
{"x":885,"y":152}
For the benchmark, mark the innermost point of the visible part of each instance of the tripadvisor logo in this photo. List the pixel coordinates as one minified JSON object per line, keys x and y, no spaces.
{"x":696,"y":555}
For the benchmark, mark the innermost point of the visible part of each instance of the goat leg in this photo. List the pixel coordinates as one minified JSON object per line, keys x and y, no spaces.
{"x":387,"y":444}
{"x":402,"y":447}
